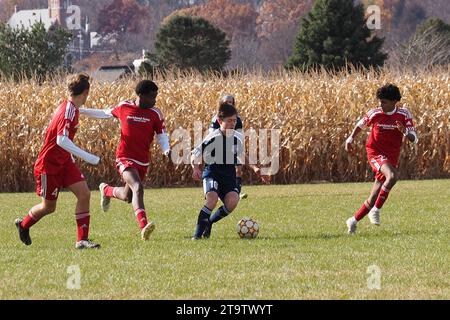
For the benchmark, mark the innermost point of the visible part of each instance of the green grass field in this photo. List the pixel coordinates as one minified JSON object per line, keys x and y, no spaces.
{"x":302,"y":252}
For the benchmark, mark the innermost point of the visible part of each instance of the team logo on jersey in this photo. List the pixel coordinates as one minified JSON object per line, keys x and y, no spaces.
{"x":387,"y":126}
{"x":134,"y":119}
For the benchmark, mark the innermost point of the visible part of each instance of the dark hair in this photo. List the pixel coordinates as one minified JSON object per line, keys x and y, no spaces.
{"x":77,"y":83}
{"x":226,"y":110}
{"x":146,"y":87}
{"x":389,"y":92}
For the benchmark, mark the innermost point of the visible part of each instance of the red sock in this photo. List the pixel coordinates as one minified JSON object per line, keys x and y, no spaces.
{"x":28,"y":221}
{"x":363,"y":211}
{"x":382,"y":196}
{"x":141,"y":217}
{"x":83,"y":225}
{"x":109,"y":191}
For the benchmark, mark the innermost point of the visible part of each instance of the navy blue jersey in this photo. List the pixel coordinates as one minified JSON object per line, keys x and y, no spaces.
{"x":215,"y":124}
{"x":220,"y":154}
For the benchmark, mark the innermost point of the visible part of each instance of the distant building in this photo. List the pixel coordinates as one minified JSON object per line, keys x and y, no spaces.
{"x":26,"y":18}
{"x":113,"y":72}
{"x":65,"y":14}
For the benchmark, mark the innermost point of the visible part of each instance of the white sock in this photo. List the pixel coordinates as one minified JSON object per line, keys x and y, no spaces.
{"x":375,"y":209}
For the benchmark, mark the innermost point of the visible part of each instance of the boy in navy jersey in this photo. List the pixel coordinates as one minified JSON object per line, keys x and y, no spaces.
{"x":239,"y":127}
{"x":222,"y":151}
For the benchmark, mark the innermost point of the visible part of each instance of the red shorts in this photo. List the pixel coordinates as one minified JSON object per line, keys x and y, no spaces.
{"x":48,"y":186}
{"x":122,"y":164}
{"x":376,"y":162}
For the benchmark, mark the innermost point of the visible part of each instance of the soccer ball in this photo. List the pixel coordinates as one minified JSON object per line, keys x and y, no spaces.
{"x":247,"y":228}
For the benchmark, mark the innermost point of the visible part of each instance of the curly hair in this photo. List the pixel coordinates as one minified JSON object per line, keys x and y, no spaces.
{"x":389,"y":92}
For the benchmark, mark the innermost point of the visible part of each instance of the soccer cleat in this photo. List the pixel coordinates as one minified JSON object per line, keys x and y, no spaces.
{"x":207,"y":232}
{"x":86,"y":244}
{"x":243,"y":196}
{"x":147,"y":230}
{"x":24,"y":234}
{"x":351,"y":224}
{"x":104,"y":200}
{"x":374,"y":217}
{"x":196,"y":238}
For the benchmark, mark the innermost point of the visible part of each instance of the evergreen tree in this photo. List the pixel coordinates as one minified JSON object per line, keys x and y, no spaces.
{"x":335,"y":34}
{"x":191,"y":43}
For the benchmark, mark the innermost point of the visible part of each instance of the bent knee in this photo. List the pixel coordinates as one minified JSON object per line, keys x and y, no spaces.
{"x":49,"y":209}
{"x":232,"y":204}
{"x":392,"y":178}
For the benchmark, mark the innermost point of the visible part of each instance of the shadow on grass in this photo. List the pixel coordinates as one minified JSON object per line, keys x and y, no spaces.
{"x":371,"y":233}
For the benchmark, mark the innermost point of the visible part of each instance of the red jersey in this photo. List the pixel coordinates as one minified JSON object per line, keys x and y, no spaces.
{"x":138,"y":127}
{"x":385,"y":139}
{"x":53,"y":158}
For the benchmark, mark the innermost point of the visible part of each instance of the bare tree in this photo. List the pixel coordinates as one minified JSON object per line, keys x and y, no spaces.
{"x":424,"y":49}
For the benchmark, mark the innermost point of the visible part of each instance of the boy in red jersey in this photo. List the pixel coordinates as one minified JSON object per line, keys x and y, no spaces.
{"x":55,"y":167}
{"x":389,"y":124}
{"x":139,"y":120}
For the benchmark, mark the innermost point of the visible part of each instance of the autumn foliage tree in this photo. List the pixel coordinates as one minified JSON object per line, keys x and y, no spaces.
{"x":276,"y":27}
{"x":121,"y":16}
{"x":399,"y":18}
{"x":236,"y":20}
{"x":124,"y":27}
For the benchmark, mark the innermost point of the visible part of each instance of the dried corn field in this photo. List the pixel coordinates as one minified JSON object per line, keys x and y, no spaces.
{"x":315,"y":113}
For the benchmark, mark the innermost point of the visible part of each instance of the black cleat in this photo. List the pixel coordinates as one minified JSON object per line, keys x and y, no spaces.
{"x":24,"y":234}
{"x":207,"y":232}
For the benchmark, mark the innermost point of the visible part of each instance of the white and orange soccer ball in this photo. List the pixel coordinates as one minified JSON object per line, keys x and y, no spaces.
{"x":247,"y":228}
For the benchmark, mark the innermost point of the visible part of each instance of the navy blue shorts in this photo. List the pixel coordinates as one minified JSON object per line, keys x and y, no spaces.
{"x":220,"y":186}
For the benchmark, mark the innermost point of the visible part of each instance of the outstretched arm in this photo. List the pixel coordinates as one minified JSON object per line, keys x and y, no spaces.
{"x":96,"y":113}
{"x":67,"y":144}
